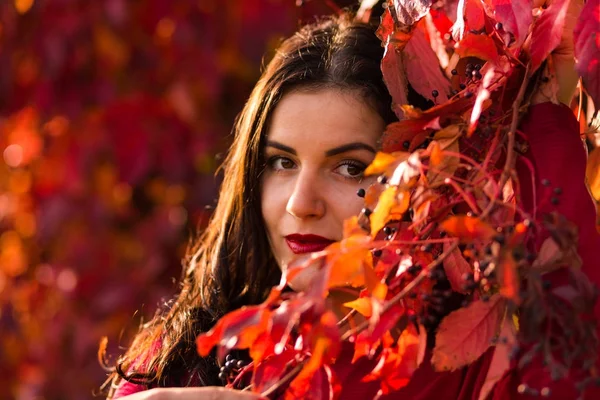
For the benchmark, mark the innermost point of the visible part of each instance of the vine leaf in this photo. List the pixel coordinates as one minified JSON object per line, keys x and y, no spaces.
{"x":409,"y":12}
{"x":469,"y":16}
{"x":480,"y":46}
{"x":467,"y":228}
{"x":592,"y":171}
{"x":456,"y":267}
{"x":423,"y":68}
{"x":547,"y":32}
{"x":397,"y":363}
{"x":465,"y":334}
{"x":587,"y":48}
{"x":501,"y":359}
{"x":515,"y":17}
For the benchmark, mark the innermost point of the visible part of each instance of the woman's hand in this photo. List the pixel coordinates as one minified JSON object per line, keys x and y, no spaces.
{"x":203,"y":393}
{"x":564,"y":79}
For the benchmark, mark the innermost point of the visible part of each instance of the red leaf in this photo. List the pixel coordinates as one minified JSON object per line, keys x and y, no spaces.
{"x":469,"y":16}
{"x":467,"y":228}
{"x":547,"y":32}
{"x":587,"y":48}
{"x":465,"y":334}
{"x":501,"y":359}
{"x":391,"y":64}
{"x":480,"y":46}
{"x":455,"y":267}
{"x":408,"y":12}
{"x":271,"y":370}
{"x":238,"y":329}
{"x":367,"y":340}
{"x":397,"y":363}
{"x":423,"y":68}
{"x":412,"y":131}
{"x":515,"y":16}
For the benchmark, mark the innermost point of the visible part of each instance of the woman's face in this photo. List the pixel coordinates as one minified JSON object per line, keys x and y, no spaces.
{"x":318,"y":145}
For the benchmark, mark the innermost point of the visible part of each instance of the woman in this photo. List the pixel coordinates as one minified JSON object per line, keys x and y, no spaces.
{"x":308,"y":130}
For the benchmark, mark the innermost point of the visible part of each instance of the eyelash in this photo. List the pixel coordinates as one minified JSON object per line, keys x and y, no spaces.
{"x":272,"y":160}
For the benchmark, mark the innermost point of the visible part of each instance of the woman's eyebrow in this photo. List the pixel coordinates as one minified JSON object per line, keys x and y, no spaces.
{"x":348,"y":147}
{"x":282,"y":147}
{"x":329,"y":153}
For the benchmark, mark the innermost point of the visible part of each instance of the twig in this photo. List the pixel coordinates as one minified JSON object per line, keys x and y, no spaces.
{"x":510,"y":151}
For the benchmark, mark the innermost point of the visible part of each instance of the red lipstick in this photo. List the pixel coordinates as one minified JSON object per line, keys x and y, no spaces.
{"x":300,"y":244}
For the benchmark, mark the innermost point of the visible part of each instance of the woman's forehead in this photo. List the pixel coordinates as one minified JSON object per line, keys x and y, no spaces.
{"x":325,"y":116}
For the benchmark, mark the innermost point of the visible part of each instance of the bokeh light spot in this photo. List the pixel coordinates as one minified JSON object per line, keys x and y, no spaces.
{"x":13,"y":155}
{"x":66,"y":280}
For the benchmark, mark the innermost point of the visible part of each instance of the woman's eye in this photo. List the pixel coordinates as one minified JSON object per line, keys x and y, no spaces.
{"x":281,"y":163}
{"x":352,"y":169}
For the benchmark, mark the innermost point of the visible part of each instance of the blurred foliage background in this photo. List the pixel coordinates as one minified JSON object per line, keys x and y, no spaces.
{"x":113,"y":114}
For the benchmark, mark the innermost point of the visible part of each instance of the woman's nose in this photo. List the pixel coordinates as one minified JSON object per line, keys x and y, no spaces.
{"x":306,"y":199}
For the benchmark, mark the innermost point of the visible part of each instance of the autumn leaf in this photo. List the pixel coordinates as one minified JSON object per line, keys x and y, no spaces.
{"x":379,"y":217}
{"x":347,"y":267}
{"x":405,"y":135}
{"x":467,"y":228}
{"x":397,"y":363}
{"x":508,"y":277}
{"x":270,"y":370}
{"x":547,"y":32}
{"x":587,"y":48}
{"x":423,"y":69}
{"x":501,"y":359}
{"x":469,"y":16}
{"x":381,"y":163}
{"x":409,"y":12}
{"x":592,"y":172}
{"x":480,"y":46}
{"x":362,"y":305}
{"x":515,"y":17}
{"x":456,"y":267}
{"x":465,"y":334}
{"x":238,"y":329}
{"x":407,"y":171}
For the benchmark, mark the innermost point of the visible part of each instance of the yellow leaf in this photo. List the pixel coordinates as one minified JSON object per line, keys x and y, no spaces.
{"x":468,"y":228}
{"x":592,"y":173}
{"x":380,"y":164}
{"x":362,"y":305}
{"x":380,"y":215}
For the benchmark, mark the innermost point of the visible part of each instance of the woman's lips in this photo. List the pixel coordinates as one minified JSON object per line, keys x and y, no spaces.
{"x":300,"y":244}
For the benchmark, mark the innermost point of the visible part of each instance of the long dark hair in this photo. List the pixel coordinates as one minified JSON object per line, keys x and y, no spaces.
{"x":231,"y":264}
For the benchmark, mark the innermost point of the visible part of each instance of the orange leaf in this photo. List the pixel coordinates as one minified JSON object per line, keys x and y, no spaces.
{"x":455,"y":267}
{"x":465,"y":334}
{"x":508,"y":278}
{"x":480,"y":46}
{"x":468,"y":228}
{"x":380,"y":215}
{"x":348,"y":267}
{"x":436,"y":154}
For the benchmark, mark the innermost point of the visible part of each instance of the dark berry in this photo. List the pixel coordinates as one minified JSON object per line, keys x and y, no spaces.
{"x":377,"y":253}
{"x":477,"y":67}
{"x":557,"y":190}
{"x":545,"y":182}
{"x":387,"y":230}
{"x":435,"y":93}
{"x":468,"y":95}
{"x":240,"y":364}
{"x":545,"y":79}
{"x":499,"y":26}
{"x":454,"y":72}
{"x":554,"y":200}
{"x":367,"y":212}
{"x":222,"y":376}
{"x":469,"y":67}
{"x":406,"y":144}
{"x":382,"y":179}
{"x":462,"y":86}
{"x":361,"y":192}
